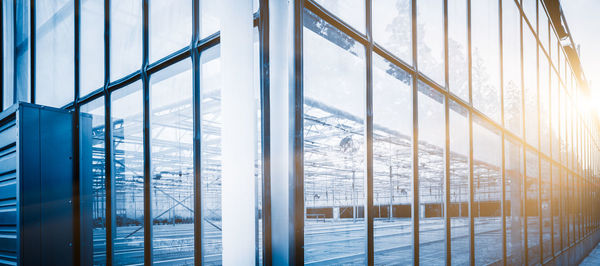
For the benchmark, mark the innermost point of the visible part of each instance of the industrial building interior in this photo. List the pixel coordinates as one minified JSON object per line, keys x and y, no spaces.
{"x":301,"y":132}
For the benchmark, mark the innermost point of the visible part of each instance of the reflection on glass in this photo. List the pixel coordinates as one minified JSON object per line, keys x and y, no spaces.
{"x":126,"y":37}
{"x":349,"y":11}
{"x":210,"y":82}
{"x":511,"y":49}
{"x":543,"y":26}
{"x":91,"y":45}
{"x":54,"y":57}
{"x":531,"y":207}
{"x":334,"y":109}
{"x":556,"y":207}
{"x":22,"y":50}
{"x":392,"y":175}
{"x":513,"y":156}
{"x":485,"y":52}
{"x":487,"y":189}
{"x":546,"y":180}
{"x":530,"y":87}
{"x":459,"y":183}
{"x":209,"y":17}
{"x":458,"y":69}
{"x":430,"y":39}
{"x":554,"y":115}
{"x":128,"y":173}
{"x":171,"y":125}
{"x":92,"y":166}
{"x":530,"y":10}
{"x":565,"y":207}
{"x":544,"y":93}
{"x":392,"y":27}
{"x":170,"y":27}
{"x":431,"y":175}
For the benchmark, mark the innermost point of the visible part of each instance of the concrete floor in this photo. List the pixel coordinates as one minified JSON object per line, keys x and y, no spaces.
{"x":593,"y":258}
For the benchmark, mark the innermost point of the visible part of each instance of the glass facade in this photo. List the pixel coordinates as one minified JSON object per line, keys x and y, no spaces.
{"x":419,"y":131}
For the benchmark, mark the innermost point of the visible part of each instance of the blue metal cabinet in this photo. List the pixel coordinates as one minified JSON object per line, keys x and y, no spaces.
{"x":36,"y":186}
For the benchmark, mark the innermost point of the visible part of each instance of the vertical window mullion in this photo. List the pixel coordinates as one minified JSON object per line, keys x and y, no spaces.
{"x":146,"y":138}
{"x":197,"y":146}
{"x":110,"y":198}
{"x":369,"y":212}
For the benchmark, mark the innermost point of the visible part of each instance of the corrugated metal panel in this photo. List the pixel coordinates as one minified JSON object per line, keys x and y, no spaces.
{"x":8,"y":192}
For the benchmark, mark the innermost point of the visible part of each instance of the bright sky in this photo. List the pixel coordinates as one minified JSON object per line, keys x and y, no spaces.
{"x":583,"y":20}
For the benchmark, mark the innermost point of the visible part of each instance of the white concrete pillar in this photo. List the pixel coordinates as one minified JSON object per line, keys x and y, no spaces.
{"x":238,"y":135}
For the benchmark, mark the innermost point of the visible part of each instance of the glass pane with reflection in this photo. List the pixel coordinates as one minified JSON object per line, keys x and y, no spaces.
{"x":459,"y":183}
{"x":92,"y":169}
{"x":128,"y":164}
{"x":515,"y":224}
{"x":392,"y":27}
{"x":172,"y":167}
{"x":531,"y":207}
{"x":392,"y":173}
{"x":430,"y":39}
{"x":487,"y":189}
{"x":431,"y":175}
{"x":334,"y":110}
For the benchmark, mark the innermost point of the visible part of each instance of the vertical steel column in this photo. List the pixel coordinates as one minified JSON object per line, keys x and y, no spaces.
{"x":415,"y":138}
{"x":147,"y":138}
{"x":76,"y":158}
{"x":197,"y":145}
{"x":265,"y":130}
{"x":109,"y":178}
{"x":32,"y":49}
{"x":297,"y":164}
{"x":503,"y":174}
{"x":447,"y":222}
{"x":471,"y":197}
{"x":539,"y":137}
{"x":2,"y":55}
{"x":368,"y":212}
{"x":524,"y":143}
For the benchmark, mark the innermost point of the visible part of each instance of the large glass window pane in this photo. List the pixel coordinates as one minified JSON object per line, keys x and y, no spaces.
{"x":170,"y":27}
{"x":458,"y":69}
{"x":485,"y":51}
{"x":459,"y":183}
{"x":431,"y":175}
{"x":543,"y":27}
{"x":565,"y":207}
{"x":334,"y":109}
{"x":487,"y":189}
{"x":92,"y":167}
{"x":544,"y":93}
{"x":530,"y":87}
{"x":392,"y":174}
{"x":556,"y":207}
{"x":546,"y":180}
{"x":22,"y":51}
{"x":554,"y":115}
{"x":530,"y":10}
{"x":209,"y":17}
{"x":91,"y":45}
{"x":54,"y":56}
{"x":128,"y":164}
{"x":531,"y":207}
{"x":210,"y":82}
{"x":511,"y":41}
{"x":430,"y":39}
{"x":392,"y":27}
{"x":126,"y":37}
{"x":171,"y":125}
{"x":513,"y":159}
{"x":349,"y":11}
